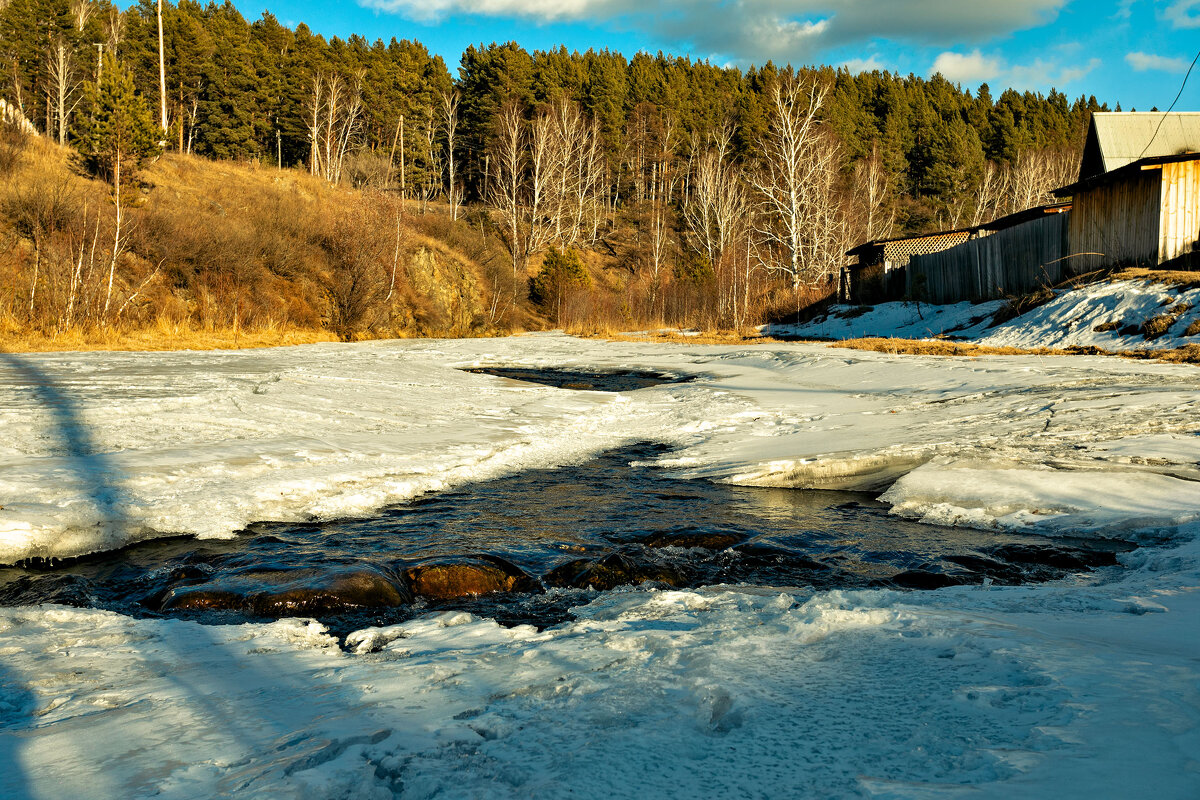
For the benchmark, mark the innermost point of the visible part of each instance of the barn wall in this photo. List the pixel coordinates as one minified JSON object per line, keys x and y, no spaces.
{"x":1009,"y":262}
{"x":1179,"y":228}
{"x":1119,"y":221}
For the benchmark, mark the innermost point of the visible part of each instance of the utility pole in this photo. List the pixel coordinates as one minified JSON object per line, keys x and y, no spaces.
{"x":162,"y":72}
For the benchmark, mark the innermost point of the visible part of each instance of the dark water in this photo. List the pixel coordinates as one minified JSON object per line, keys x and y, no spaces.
{"x":537,"y":543}
{"x":620,"y":380}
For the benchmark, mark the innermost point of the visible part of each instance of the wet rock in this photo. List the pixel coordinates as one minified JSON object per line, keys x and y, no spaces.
{"x":987,"y":567}
{"x":615,"y":569}
{"x":467,"y":578}
{"x":704,"y":541}
{"x":763,"y":555}
{"x":922,"y":579}
{"x":282,"y":593}
{"x":194,"y":598}
{"x":332,"y":593}
{"x":1058,"y":557}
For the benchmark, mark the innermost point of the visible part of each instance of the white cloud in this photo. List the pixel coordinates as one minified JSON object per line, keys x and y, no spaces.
{"x":975,"y":67}
{"x":755,"y":30}
{"x":1149,"y":61}
{"x":972,"y":67}
{"x":1183,"y":14}
{"x":872,"y":64}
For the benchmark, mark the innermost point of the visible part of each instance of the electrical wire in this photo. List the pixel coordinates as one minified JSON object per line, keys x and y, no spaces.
{"x":1173,"y":102}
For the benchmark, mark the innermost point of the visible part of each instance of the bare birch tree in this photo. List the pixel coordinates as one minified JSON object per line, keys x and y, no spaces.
{"x":450,"y":102}
{"x":507,"y":181}
{"x":800,"y":231}
{"x":62,"y":87}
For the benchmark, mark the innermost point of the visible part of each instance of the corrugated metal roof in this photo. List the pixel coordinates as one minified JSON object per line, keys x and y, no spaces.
{"x":1116,"y":138}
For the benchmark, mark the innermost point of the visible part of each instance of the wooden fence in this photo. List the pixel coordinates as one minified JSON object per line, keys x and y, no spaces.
{"x":1009,"y":262}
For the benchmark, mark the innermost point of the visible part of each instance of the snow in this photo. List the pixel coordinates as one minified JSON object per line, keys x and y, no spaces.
{"x":1073,"y":318}
{"x":899,"y":319}
{"x":1088,"y":687}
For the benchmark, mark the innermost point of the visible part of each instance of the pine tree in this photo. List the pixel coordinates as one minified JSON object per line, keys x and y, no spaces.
{"x":116,"y":129}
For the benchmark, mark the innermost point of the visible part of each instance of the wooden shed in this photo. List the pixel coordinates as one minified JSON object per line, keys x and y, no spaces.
{"x":878,"y":276}
{"x":1137,"y":200}
{"x":1146,"y":213}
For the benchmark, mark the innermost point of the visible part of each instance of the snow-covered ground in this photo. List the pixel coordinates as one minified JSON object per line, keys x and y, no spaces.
{"x":1085,"y":688}
{"x":1106,"y":315}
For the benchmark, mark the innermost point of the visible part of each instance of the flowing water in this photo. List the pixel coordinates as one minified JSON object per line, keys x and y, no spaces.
{"x":526,"y":548}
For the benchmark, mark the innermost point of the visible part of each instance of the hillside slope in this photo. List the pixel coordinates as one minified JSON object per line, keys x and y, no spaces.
{"x":1132,"y":311}
{"x":209,"y":250}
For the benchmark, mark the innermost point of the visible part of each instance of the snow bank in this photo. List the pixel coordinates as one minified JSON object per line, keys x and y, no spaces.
{"x":1046,"y":500}
{"x":900,"y":319}
{"x":1106,"y":315}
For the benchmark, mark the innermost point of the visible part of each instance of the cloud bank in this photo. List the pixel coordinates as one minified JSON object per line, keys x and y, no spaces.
{"x":975,"y":67}
{"x":1149,"y":61}
{"x":757,"y":30}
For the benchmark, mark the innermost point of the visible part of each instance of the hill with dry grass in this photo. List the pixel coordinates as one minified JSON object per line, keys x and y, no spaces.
{"x":215,"y":253}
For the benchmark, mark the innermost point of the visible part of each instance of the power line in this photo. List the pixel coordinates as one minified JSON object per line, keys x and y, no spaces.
{"x":1173,"y":102}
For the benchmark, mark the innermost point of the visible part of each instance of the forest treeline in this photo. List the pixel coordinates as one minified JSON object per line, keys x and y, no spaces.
{"x":709,"y":193}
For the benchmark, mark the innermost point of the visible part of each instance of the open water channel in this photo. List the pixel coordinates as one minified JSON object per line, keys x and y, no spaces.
{"x":528,"y":547}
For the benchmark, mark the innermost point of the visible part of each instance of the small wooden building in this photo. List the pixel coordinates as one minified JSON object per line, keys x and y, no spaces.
{"x":877,"y":275}
{"x":1137,"y":200}
{"x":1144,"y":214}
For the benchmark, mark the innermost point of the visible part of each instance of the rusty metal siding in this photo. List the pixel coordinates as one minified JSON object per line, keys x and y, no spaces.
{"x":1179,"y":229}
{"x":1116,"y":223}
{"x":1009,"y":262}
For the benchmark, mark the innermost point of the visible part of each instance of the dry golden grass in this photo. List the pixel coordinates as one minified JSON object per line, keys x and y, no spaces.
{"x":673,"y":336}
{"x":159,"y":337}
{"x":942,"y":347}
{"x":1184,"y":280}
{"x":1188,"y":354}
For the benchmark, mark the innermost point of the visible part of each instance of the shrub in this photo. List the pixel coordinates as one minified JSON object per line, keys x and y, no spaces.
{"x":560,"y":272}
{"x":1104,"y":327}
{"x":13,"y":142}
{"x":1155,"y":327}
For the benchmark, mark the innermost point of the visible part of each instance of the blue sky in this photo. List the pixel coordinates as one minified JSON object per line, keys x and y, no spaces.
{"x":1132,"y":51}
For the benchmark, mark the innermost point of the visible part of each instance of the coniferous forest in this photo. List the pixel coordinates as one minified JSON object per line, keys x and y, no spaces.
{"x":368,"y":188}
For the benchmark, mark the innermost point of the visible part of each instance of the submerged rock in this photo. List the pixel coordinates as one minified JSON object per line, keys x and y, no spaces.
{"x":701,"y":540}
{"x":468,"y":578}
{"x":302,"y":592}
{"x":615,"y":569}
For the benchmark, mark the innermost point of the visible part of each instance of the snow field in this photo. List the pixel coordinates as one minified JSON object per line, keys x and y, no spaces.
{"x":1087,"y":688}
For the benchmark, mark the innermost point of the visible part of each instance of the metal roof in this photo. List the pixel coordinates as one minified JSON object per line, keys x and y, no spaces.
{"x":1117,"y":138}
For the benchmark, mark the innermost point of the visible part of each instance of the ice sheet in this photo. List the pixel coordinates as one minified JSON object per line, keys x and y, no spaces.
{"x":1087,"y":688}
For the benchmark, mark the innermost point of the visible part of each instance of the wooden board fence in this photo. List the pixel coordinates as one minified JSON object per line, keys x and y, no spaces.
{"x":1009,"y":262}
